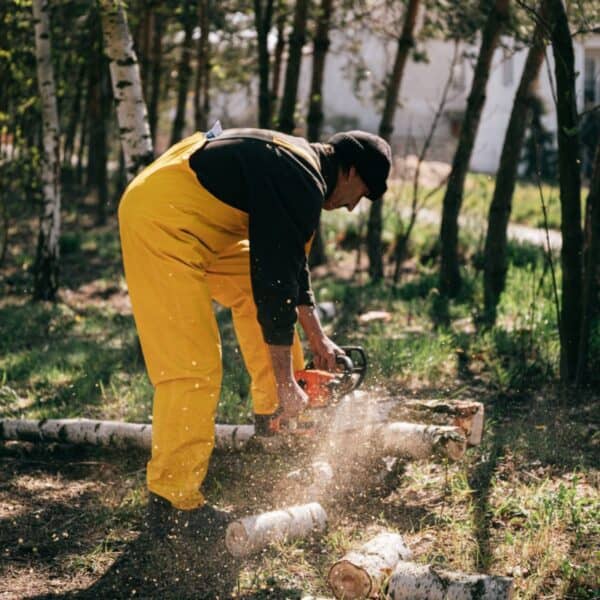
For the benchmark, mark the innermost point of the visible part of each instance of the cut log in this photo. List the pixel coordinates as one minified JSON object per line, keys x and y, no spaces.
{"x":360,"y":574}
{"x":415,"y":440}
{"x":251,"y":534}
{"x":465,"y":414}
{"x":410,"y":581}
{"x":107,"y":433}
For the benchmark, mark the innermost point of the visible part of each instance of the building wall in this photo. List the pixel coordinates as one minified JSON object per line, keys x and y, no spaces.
{"x":420,"y":95}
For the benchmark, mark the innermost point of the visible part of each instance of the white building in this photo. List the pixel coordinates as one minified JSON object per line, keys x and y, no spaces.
{"x":421,"y":92}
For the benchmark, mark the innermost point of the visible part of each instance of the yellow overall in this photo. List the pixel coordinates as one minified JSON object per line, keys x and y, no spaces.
{"x":183,"y":248}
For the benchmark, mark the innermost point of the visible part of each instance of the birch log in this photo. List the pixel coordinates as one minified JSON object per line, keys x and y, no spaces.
{"x":415,"y":440}
{"x":47,"y":257}
{"x":410,"y":581}
{"x":134,"y":129}
{"x":251,"y":534}
{"x":360,"y":574}
{"x":465,"y":414}
{"x":107,"y":433}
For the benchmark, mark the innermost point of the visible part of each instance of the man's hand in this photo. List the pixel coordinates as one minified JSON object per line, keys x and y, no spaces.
{"x":292,"y":400}
{"x":324,"y":353}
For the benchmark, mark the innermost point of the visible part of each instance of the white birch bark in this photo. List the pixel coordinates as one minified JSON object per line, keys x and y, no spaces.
{"x":251,"y":534}
{"x":410,"y":581}
{"x":46,"y":278}
{"x":108,"y":433}
{"x":416,"y":440}
{"x":360,"y":574}
{"x":134,"y":130}
{"x":465,"y":414}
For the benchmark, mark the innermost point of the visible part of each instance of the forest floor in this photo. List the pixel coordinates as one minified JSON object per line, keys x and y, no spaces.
{"x":524,"y":504}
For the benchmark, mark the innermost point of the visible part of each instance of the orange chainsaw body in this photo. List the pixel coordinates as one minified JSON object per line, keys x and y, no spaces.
{"x":324,"y":389}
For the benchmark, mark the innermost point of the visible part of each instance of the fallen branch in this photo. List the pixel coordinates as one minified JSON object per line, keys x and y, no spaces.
{"x":107,"y":433}
{"x":360,"y":574}
{"x":410,"y":581}
{"x":251,"y":534}
{"x":464,"y":414}
{"x":415,"y":440}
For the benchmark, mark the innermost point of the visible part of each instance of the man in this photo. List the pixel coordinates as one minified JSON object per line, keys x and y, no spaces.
{"x":230,"y":218}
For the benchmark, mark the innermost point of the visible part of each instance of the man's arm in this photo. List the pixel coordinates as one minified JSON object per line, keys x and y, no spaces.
{"x":323,"y":349}
{"x":292,"y":398}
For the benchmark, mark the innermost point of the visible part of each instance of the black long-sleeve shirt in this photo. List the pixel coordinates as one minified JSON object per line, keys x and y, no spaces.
{"x":282,"y":191}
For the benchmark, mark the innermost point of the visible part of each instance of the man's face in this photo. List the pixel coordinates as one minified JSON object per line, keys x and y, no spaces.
{"x":349,"y":189}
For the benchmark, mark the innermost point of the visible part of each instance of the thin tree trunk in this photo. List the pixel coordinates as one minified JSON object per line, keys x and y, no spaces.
{"x":184,"y":71}
{"x":495,"y":261}
{"x":386,"y":127}
{"x":321,"y":46}
{"x":450,"y":281}
{"x":74,"y":116}
{"x":132,"y":115}
{"x":403,"y":237}
{"x":202,"y":66}
{"x":144,"y":44}
{"x":591,"y":269}
{"x":277,"y":58}
{"x":315,"y":107}
{"x":97,"y":114}
{"x":570,"y":191}
{"x":156,"y":74}
{"x":263,"y":15}
{"x":46,"y":269}
{"x":294,"y":63}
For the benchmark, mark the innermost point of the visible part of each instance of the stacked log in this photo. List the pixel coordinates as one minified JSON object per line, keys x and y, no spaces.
{"x":252,"y":534}
{"x":362,"y":573}
{"x":418,"y":441}
{"x":468,"y":415}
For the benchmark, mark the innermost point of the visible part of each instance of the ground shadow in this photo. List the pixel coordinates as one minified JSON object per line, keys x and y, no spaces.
{"x":153,"y":568}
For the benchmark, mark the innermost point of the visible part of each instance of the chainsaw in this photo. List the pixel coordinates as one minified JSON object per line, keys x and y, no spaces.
{"x":324,"y":389}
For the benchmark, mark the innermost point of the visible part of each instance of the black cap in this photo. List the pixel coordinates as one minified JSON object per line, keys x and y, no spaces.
{"x":370,"y":155}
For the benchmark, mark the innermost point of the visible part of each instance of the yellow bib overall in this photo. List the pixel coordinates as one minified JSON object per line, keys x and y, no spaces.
{"x":183,"y":248}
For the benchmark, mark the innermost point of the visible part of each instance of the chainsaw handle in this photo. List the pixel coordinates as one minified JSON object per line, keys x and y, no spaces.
{"x":358,"y":359}
{"x":346,"y":362}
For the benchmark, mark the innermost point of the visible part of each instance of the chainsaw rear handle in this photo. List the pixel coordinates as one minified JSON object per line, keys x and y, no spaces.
{"x":358,"y":360}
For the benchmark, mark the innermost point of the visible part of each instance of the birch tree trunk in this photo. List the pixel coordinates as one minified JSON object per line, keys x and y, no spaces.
{"x":450,"y":282}
{"x":570,"y":191}
{"x":184,"y":71}
{"x":134,"y":130}
{"x":292,"y":72}
{"x":386,"y":127}
{"x":495,"y":261}
{"x":46,"y":269}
